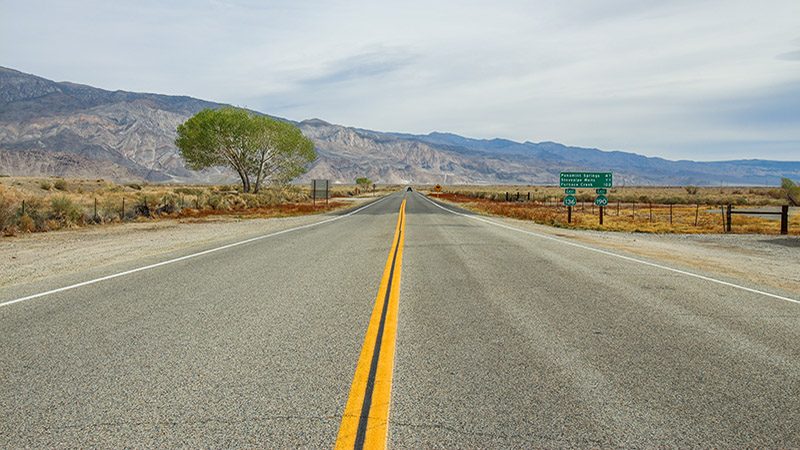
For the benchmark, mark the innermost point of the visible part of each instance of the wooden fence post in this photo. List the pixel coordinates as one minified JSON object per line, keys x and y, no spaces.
{"x":722,"y":210}
{"x":696,"y":214}
{"x":729,"y":218}
{"x":785,"y":219}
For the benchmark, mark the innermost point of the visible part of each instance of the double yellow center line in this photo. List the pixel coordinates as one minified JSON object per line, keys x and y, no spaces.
{"x":366,"y":415}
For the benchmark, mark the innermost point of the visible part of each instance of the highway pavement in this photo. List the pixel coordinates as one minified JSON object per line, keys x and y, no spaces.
{"x":406,"y":324}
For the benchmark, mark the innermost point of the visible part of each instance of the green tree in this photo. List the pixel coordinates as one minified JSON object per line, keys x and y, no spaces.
{"x":364,"y":182}
{"x":792,"y":191}
{"x":281,"y":152}
{"x":258,"y":148}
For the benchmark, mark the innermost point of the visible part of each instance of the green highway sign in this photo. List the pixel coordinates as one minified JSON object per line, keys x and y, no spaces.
{"x":585,"y":179}
{"x":569,"y":191}
{"x":601,"y":191}
{"x":570,"y":200}
{"x":601,"y":200}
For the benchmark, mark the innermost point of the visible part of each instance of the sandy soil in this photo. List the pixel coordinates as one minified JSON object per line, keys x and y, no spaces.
{"x":763,"y":260}
{"x":30,"y":257}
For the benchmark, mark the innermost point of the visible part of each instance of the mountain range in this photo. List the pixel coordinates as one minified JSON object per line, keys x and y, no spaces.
{"x":50,"y":128}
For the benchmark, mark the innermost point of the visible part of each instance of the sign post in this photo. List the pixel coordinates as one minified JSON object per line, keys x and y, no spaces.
{"x":569,"y":202}
{"x":599,"y":181}
{"x":320,"y":189}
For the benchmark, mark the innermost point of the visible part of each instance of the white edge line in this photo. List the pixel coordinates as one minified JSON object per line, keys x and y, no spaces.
{"x":604,"y":252}
{"x":185,"y":257}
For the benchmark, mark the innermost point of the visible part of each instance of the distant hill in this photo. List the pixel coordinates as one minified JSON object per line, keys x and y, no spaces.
{"x":67,"y":129}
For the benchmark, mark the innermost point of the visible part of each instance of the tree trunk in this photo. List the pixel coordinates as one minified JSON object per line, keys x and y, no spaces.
{"x":245,"y":181}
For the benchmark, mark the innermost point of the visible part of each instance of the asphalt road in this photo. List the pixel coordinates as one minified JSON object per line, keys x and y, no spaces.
{"x":504,"y":339}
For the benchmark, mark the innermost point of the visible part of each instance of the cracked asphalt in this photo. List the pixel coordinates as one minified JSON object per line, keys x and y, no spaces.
{"x":504,"y":340}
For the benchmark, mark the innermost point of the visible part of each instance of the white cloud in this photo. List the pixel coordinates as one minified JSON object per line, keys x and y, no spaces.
{"x":657,"y":77}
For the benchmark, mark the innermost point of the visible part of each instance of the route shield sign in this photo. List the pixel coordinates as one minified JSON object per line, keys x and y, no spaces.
{"x":601,"y":191}
{"x":601,"y":200}
{"x":569,"y":191}
{"x":585,"y":179}
{"x":570,"y":200}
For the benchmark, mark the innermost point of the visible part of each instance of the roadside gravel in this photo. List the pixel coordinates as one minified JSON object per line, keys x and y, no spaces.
{"x":763,"y":260}
{"x":31,"y":257}
{"x":769,"y":261}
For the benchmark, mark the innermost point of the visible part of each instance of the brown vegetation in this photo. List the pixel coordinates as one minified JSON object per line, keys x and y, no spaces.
{"x":36,"y":204}
{"x":677,"y":195}
{"x":632,"y":216}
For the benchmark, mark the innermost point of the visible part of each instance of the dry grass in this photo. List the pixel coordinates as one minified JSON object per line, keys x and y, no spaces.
{"x":627,"y":217}
{"x":687,"y":195}
{"x":46,"y":204}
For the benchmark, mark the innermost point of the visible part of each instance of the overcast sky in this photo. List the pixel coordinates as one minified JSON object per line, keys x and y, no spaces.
{"x":682,"y":79}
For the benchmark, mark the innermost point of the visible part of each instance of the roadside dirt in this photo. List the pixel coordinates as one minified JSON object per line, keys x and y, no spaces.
{"x":764,"y":260}
{"x":29,"y":257}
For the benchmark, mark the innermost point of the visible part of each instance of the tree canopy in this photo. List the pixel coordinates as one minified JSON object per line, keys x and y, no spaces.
{"x":260,"y":149}
{"x":364,"y":182}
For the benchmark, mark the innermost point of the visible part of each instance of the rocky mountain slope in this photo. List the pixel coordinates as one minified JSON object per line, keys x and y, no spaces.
{"x":66,"y":129}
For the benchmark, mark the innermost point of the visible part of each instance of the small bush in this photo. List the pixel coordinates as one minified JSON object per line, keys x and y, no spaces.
{"x":34,"y":209}
{"x":110,"y":208}
{"x":61,"y":185}
{"x":46,"y":185}
{"x":134,"y":186}
{"x":168,"y":204}
{"x":143,"y":208}
{"x":216,"y":202}
{"x":189,"y":191}
{"x":26,"y":224}
{"x":691,"y":190}
{"x":6,"y":212}
{"x":65,"y":211}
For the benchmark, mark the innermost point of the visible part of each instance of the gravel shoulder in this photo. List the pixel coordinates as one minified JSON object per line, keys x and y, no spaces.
{"x":770,"y":261}
{"x":33,"y":257}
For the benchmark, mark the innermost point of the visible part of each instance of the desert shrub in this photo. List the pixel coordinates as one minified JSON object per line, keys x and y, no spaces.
{"x":61,"y":185}
{"x":25,"y":224}
{"x":50,"y":225}
{"x":134,"y":186}
{"x":35,"y":210}
{"x":168,"y":204}
{"x":46,"y":185}
{"x":775,"y":193}
{"x":189,"y":191}
{"x":691,"y":190}
{"x":143,"y":207}
{"x":110,"y":208}
{"x":109,"y":187}
{"x":215,"y":201}
{"x":65,"y":211}
{"x":6,"y":212}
